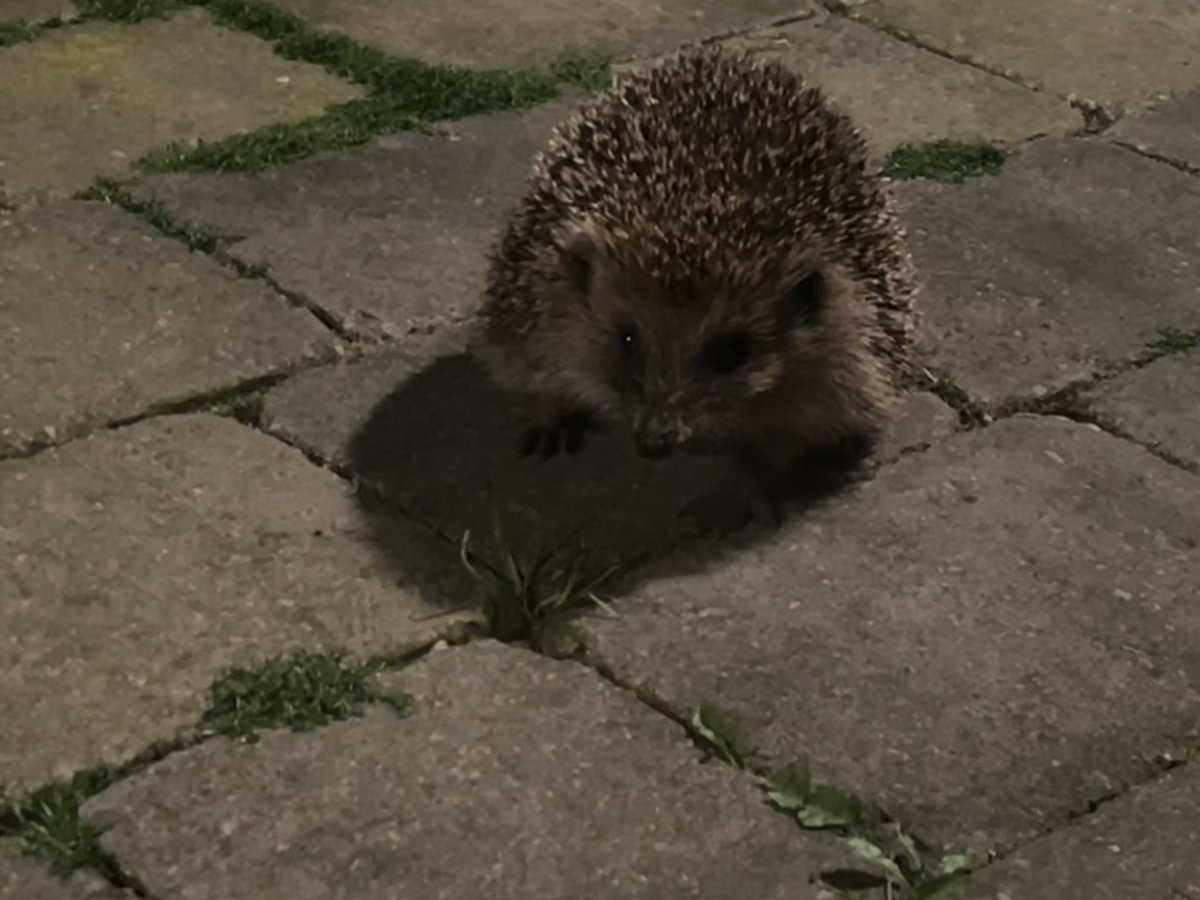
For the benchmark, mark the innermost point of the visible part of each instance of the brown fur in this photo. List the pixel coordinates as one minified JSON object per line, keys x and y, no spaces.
{"x":709,"y":206}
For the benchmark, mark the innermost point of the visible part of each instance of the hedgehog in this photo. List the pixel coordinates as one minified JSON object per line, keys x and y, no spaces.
{"x":706,"y":254}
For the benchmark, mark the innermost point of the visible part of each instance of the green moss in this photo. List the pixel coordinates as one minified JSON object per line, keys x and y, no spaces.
{"x":299,"y":692}
{"x":48,"y":824}
{"x":944,"y":160}
{"x":1174,"y":340}
{"x":402,"y":94}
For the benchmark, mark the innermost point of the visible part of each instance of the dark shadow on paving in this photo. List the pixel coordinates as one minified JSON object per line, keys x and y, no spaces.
{"x":442,"y":446}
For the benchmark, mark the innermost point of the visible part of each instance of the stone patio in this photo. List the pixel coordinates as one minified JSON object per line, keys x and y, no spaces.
{"x":239,"y":418}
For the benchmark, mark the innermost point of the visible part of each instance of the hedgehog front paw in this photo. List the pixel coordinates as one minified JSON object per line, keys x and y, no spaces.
{"x":732,"y":504}
{"x":564,"y":432}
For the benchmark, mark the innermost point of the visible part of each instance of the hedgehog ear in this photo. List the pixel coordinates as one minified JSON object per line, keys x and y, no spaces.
{"x":580,"y":256}
{"x":804,"y":301}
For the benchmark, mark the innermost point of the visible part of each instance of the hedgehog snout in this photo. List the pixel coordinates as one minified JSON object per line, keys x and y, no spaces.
{"x":657,"y":434}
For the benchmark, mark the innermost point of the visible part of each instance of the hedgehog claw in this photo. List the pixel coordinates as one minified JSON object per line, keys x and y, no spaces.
{"x":565,"y":432}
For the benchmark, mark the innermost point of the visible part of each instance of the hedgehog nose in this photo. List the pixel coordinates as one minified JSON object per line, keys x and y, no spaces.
{"x":652,"y":441}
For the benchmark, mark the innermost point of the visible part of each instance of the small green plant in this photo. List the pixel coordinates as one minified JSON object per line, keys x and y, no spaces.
{"x":1174,"y":340}
{"x":299,"y":692}
{"x":943,"y":385}
{"x":815,"y":806}
{"x":49,"y":827}
{"x":720,"y":734}
{"x":908,"y":875}
{"x":528,"y":600}
{"x":17,"y":32}
{"x":944,"y":160}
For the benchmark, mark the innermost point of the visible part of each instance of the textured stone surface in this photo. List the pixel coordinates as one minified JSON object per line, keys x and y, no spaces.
{"x":983,"y":639}
{"x":102,"y":318}
{"x":1171,"y":130}
{"x":427,"y":426}
{"x":1115,"y":53}
{"x":137,"y":564}
{"x":1145,"y":844}
{"x":1085,"y":252}
{"x":23,"y":878}
{"x":387,"y":238}
{"x":515,"y":777}
{"x":507,"y":33}
{"x":1157,"y":405}
{"x":35,"y":11}
{"x":927,"y":96}
{"x":92,"y":99}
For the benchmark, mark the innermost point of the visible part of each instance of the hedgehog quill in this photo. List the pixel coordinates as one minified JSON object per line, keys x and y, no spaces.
{"x":708,"y":254}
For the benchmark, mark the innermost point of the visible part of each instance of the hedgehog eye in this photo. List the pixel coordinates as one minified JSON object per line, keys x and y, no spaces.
{"x":805,"y":299}
{"x":627,"y":338}
{"x":728,"y":353}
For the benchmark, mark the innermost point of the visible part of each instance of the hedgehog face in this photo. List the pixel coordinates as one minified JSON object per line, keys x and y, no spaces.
{"x":682,"y":363}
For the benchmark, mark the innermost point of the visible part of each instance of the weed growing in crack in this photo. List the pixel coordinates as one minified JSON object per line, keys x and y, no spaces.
{"x":299,"y":692}
{"x":945,"y":160}
{"x":943,"y":385}
{"x":897,"y":865}
{"x":17,"y":32}
{"x":533,"y":599}
{"x":49,"y":827}
{"x":106,"y":190}
{"x":1170,"y":341}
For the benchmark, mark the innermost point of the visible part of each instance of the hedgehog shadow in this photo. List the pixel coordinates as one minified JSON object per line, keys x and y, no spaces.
{"x":442,"y":448}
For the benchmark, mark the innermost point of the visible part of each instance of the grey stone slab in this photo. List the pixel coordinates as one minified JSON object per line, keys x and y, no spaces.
{"x":927,"y":96}
{"x":508,"y":33}
{"x":1145,"y":844}
{"x":136,"y":565}
{"x":90,"y":100}
{"x":1086,"y":250}
{"x":1119,"y":54}
{"x":426,"y":426}
{"x":983,"y":639}
{"x":103,"y":318}
{"x":1171,"y":130}
{"x":515,"y":777}
{"x":35,"y":11}
{"x":23,"y":878}
{"x":1157,"y":405}
{"x":388,"y":238}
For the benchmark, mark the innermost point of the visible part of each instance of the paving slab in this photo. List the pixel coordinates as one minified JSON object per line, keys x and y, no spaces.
{"x":983,"y":639}
{"x":1145,"y":844}
{"x":517,"y":33}
{"x":35,"y":11}
{"x":425,"y":424}
{"x":388,"y":238}
{"x":1087,"y":250}
{"x":927,"y":97}
{"x":1119,"y":54}
{"x":137,"y":564}
{"x":1157,"y":405}
{"x":24,"y":878}
{"x":1170,"y":130}
{"x":515,"y":776}
{"x":102,"y":318}
{"x":90,"y":100}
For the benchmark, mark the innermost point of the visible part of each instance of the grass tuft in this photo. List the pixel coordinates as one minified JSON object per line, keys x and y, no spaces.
{"x":17,"y":32}
{"x":127,"y":11}
{"x":1170,"y":341}
{"x":942,"y":385}
{"x":49,"y":827}
{"x":299,"y":692}
{"x":107,"y":190}
{"x":944,"y":160}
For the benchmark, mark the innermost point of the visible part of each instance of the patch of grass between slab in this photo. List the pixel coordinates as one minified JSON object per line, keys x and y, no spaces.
{"x":299,"y":692}
{"x":48,"y":825}
{"x":944,"y":160}
{"x":127,"y":11}
{"x":942,"y":385}
{"x":1173,"y":341}
{"x":897,"y":864}
{"x":403,"y":94}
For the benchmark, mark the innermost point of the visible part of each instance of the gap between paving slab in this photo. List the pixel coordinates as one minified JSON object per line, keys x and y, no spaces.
{"x":89,"y":100}
{"x":23,"y":878}
{"x":1170,"y":131}
{"x":137,"y":564}
{"x":104,"y":319}
{"x":514,"y":776}
{"x":983,"y":639}
{"x":1087,"y":250}
{"x":520,"y":33}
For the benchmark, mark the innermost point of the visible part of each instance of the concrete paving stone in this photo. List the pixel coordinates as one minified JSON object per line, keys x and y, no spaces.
{"x":517,"y":33}
{"x":983,"y":639}
{"x":387,"y":238}
{"x":90,"y":100}
{"x":1158,"y":405}
{"x":35,"y":11}
{"x":1144,"y":845}
{"x":426,"y":425}
{"x":515,"y":777}
{"x":24,"y":878}
{"x":1086,"y":250}
{"x":102,"y":318}
{"x":136,"y":565}
{"x":1120,"y":54}
{"x":927,"y":96}
{"x":1171,"y":130}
